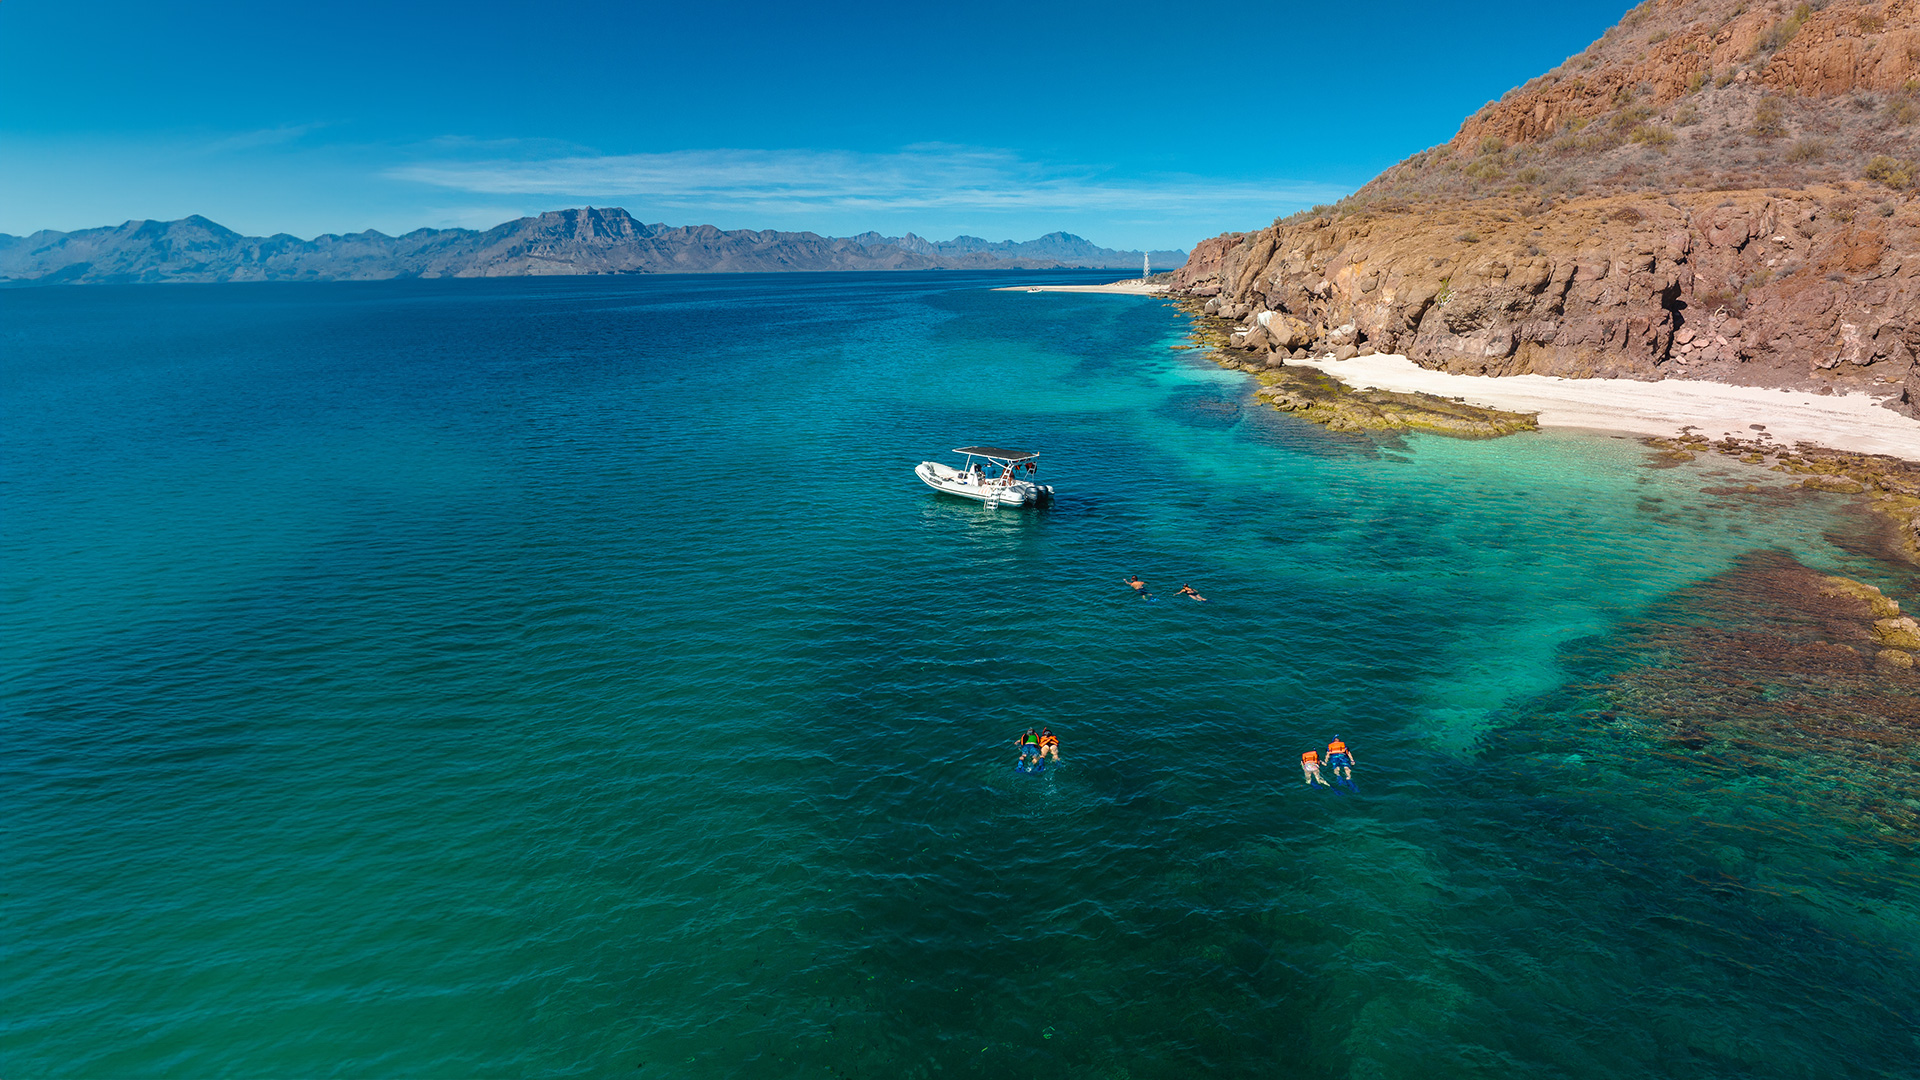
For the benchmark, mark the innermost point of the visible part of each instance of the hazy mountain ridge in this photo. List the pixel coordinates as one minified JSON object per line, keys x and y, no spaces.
{"x":588,"y":240}
{"x":1713,"y":190}
{"x":1063,"y":247}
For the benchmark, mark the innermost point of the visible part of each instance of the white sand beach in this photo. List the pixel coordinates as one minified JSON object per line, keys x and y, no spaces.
{"x":1136,"y":287}
{"x":1854,"y":422}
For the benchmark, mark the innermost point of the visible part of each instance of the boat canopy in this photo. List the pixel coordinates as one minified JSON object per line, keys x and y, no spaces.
{"x":995,"y":452}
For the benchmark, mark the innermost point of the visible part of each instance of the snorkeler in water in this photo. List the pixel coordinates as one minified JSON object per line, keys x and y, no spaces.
{"x":1187,"y":590}
{"x":1340,"y":759}
{"x":1029,"y":744}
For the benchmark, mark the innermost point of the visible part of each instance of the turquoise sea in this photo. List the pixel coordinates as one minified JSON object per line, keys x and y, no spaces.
{"x":570,"y":678}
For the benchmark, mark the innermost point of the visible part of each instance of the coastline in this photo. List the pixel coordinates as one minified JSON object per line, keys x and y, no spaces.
{"x":1134,"y":287}
{"x":1853,"y":423}
{"x":1856,"y":423}
{"x":1841,"y":444}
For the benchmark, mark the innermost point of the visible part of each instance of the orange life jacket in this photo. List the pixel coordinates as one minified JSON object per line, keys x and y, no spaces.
{"x":1336,"y":747}
{"x":1049,"y":740}
{"x":1312,"y":756}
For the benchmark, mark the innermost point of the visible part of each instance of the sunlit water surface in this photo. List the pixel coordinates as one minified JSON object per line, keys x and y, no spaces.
{"x":570,"y":677}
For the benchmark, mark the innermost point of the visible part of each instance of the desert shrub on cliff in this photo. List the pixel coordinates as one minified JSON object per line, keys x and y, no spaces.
{"x":1487,"y":168}
{"x":1653,"y":135}
{"x":1629,"y":118}
{"x":1776,"y":36}
{"x":1697,"y":100}
{"x":1807,"y":150}
{"x":1890,"y":171}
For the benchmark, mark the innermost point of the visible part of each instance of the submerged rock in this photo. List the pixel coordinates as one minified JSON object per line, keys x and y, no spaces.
{"x":1839,"y":485}
{"x":1890,"y":486}
{"x":1316,"y":396}
{"x":1764,"y":673}
{"x":1902,"y":632}
{"x":1881,"y":605}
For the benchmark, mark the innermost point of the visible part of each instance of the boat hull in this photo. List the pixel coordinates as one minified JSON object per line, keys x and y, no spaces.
{"x":944,"y":478}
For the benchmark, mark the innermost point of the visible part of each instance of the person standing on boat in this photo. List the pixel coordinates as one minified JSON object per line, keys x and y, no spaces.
{"x":1340,"y":759}
{"x":1049,"y":745}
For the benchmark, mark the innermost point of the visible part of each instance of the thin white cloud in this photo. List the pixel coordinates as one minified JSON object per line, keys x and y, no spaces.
{"x":263,"y":137}
{"x":922,"y":178}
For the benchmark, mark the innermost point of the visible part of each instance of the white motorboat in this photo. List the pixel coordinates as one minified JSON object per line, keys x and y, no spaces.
{"x":990,"y":474}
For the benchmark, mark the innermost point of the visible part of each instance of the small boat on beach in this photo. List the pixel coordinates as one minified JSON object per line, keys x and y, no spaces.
{"x":991,"y":474}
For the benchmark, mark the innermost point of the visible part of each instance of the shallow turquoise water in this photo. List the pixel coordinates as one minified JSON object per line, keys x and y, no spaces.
{"x":570,"y":677}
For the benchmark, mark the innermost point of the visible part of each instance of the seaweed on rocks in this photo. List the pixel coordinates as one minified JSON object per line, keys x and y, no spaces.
{"x":1772,"y":679}
{"x":1888,"y":486}
{"x":1313,"y":395}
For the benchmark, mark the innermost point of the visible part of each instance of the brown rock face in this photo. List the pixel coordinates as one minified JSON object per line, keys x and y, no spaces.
{"x":1750,"y":287}
{"x":1713,"y":190}
{"x":1654,"y":55}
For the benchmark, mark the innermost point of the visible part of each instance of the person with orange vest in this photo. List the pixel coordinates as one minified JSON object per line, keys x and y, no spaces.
{"x":1310,"y":764}
{"x":1049,"y":744}
{"x":1340,"y":759}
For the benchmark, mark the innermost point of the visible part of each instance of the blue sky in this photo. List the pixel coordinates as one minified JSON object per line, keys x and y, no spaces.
{"x":1132,"y":124}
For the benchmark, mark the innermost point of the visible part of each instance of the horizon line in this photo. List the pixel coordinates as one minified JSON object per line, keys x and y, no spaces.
{"x":566,"y":209}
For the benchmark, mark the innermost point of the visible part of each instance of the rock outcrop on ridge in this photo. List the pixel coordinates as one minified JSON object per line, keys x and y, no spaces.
{"x":1713,"y":190}
{"x":579,"y":241}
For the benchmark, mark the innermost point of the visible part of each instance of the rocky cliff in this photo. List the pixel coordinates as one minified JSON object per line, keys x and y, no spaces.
{"x":580,"y":241}
{"x":1713,"y":190}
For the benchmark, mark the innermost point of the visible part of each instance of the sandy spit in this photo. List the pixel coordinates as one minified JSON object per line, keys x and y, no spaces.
{"x":1852,"y":422}
{"x":1135,"y":287}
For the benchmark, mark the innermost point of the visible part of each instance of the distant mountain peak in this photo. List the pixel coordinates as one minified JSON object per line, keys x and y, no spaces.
{"x":576,"y":240}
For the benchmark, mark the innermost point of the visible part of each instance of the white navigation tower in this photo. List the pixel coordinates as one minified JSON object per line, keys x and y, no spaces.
{"x":1146,"y":266}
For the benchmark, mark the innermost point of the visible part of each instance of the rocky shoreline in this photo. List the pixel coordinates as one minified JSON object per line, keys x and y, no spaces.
{"x":1325,"y":400}
{"x":1886,"y":485}
{"x":1615,"y":287}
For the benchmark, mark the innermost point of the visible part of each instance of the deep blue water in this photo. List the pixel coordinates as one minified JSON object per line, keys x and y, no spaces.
{"x":570,"y":677}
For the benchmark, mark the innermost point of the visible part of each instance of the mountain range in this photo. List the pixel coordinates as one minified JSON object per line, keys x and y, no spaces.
{"x":589,"y":240}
